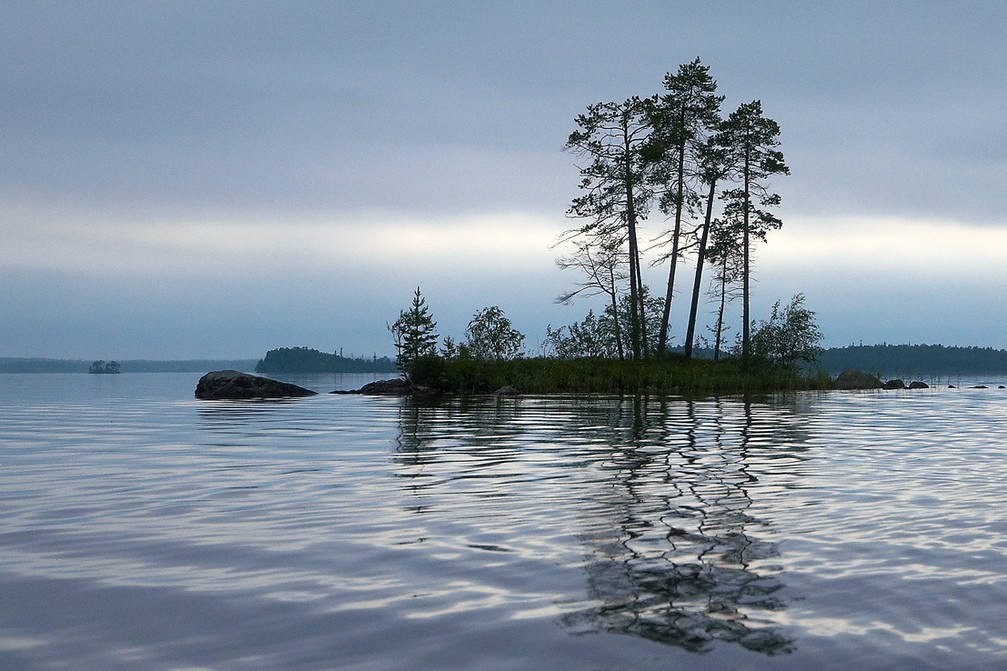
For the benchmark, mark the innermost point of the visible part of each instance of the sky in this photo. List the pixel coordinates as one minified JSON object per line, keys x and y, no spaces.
{"x":216,"y":179}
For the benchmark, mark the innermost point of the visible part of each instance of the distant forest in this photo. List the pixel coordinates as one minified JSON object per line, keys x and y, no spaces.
{"x":883,"y":360}
{"x":305,"y":360}
{"x":914,"y":360}
{"x":34,"y":365}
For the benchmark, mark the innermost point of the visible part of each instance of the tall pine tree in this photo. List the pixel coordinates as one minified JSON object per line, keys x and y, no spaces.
{"x":752,"y":140}
{"x":684,"y":118}
{"x":617,"y":192}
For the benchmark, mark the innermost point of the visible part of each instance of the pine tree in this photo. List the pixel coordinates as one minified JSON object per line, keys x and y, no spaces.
{"x":414,"y":333}
{"x":617,"y":194}
{"x":684,"y":117}
{"x":752,"y":140}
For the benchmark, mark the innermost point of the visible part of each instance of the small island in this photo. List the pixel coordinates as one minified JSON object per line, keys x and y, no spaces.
{"x":101,"y":367}
{"x":307,"y":360}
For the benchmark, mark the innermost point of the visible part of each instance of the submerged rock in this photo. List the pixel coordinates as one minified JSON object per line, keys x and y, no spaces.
{"x":507,"y":390}
{"x":232,"y":384}
{"x":894,"y":384}
{"x":917,"y":384}
{"x":855,"y":379}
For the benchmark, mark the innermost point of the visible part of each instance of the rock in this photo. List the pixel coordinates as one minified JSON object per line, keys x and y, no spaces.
{"x":854,"y":379}
{"x":916,"y":384}
{"x":894,"y":384}
{"x":507,"y":390}
{"x":396,"y":387}
{"x":1002,"y":387}
{"x":980,"y":386}
{"x":232,"y":384}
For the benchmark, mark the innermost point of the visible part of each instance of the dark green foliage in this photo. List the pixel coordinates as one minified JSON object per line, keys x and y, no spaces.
{"x":673,"y":374}
{"x":304,"y":360}
{"x":414,"y":332}
{"x":601,"y":336}
{"x":594,"y":337}
{"x":428,"y":371}
{"x":102,"y":367}
{"x":490,"y":336}
{"x":789,"y":338}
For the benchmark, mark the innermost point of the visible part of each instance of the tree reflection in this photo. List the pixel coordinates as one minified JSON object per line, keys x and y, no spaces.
{"x":674,"y":551}
{"x":681,"y":563}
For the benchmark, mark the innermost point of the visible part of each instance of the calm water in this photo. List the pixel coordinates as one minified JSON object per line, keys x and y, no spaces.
{"x":142,"y":529}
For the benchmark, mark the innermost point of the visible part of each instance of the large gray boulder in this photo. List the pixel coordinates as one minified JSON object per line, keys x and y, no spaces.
{"x":232,"y":384}
{"x":855,"y":379}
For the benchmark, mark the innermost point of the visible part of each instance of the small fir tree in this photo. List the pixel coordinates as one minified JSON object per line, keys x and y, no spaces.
{"x":414,"y":333}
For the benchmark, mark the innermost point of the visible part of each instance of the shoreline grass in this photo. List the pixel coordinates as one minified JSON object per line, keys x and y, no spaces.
{"x":671,"y":375}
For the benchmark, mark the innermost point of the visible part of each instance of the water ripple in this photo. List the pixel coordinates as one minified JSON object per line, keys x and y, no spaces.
{"x":860,"y":530}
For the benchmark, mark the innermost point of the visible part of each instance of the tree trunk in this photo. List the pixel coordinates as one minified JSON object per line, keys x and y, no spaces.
{"x":690,"y":333}
{"x":614,"y":295}
{"x":635,"y":323}
{"x":746,"y":344}
{"x":662,"y":344}
{"x":720,"y":312}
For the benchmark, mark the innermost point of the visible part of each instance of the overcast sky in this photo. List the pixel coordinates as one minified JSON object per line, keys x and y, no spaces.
{"x":216,"y":179}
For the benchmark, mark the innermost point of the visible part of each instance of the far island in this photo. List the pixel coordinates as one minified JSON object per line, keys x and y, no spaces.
{"x":306,"y":360}
{"x":105,"y":368}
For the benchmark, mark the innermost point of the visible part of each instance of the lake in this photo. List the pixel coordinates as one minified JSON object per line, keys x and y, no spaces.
{"x":142,"y":529}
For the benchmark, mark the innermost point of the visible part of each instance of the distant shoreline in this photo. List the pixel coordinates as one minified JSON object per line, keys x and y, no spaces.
{"x":921,"y":362}
{"x":30,"y":365}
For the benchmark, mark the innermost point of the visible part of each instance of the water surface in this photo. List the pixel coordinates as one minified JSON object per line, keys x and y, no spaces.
{"x":144,"y":529}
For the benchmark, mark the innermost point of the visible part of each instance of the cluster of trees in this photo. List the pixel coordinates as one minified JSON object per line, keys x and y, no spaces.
{"x":103,"y":367}
{"x":305,"y":360}
{"x":787,"y":338}
{"x":677,"y":153}
{"x":709,"y":176}
{"x":489,"y":336}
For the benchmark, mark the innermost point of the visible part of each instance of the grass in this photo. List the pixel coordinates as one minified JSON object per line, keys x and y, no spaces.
{"x":672,"y":375}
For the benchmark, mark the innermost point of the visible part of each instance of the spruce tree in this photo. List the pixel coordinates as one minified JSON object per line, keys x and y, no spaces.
{"x":414,"y":333}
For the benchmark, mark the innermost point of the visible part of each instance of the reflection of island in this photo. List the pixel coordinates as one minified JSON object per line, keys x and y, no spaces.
{"x":677,"y":561}
{"x":673,"y":549}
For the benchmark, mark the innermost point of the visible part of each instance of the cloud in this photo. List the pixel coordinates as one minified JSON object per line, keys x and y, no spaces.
{"x":175,"y":169}
{"x":117,"y":243}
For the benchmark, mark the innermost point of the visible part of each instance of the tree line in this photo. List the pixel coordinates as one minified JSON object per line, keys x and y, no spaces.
{"x":790,"y":336}
{"x":676,"y":153}
{"x":917,"y":361}
{"x":40,"y":365}
{"x":306,"y":360}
